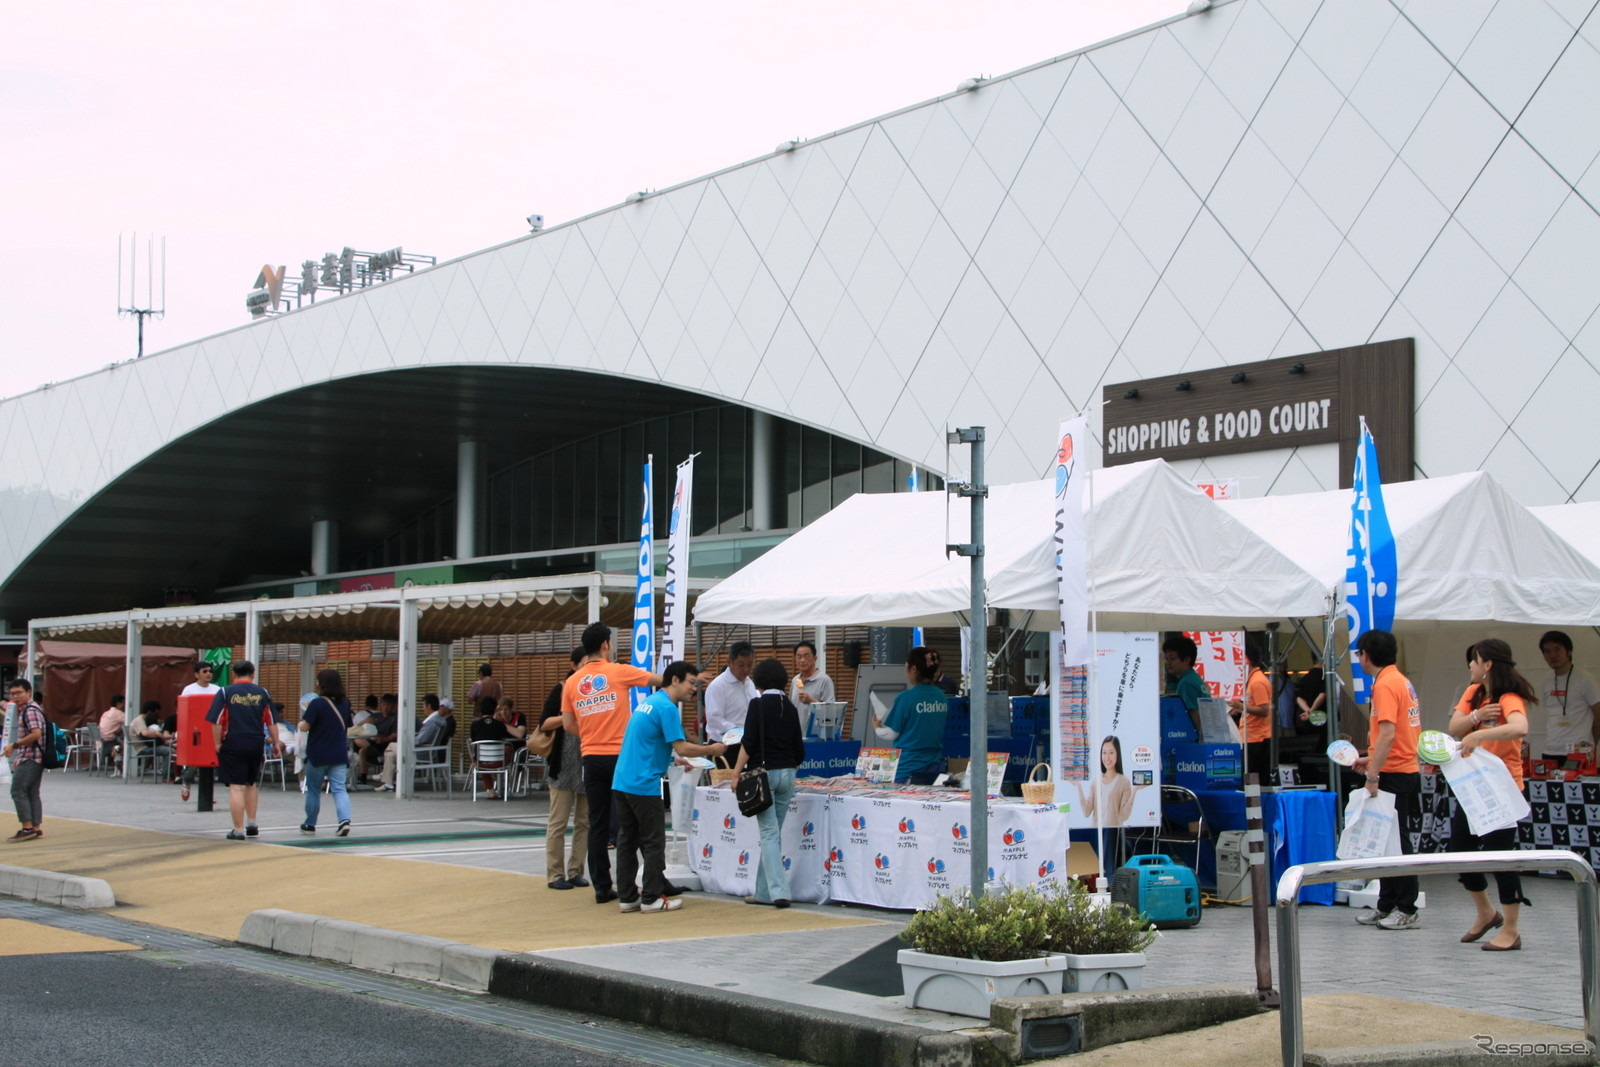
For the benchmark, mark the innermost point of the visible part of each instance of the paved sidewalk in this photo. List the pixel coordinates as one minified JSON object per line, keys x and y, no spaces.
{"x":475,"y":873}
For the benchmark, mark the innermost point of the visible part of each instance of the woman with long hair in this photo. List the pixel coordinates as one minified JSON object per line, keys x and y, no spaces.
{"x":1493,"y":715}
{"x":323,"y":740}
{"x":1113,"y":792}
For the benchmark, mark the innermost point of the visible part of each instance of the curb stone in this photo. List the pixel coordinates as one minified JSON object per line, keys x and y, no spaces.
{"x":62,"y":890}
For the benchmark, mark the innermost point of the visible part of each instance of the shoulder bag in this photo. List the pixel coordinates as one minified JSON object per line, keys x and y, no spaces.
{"x":753,"y":791}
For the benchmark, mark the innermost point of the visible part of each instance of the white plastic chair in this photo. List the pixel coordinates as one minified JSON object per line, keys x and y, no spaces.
{"x":85,"y":744}
{"x":268,"y":763}
{"x":433,"y":764}
{"x":489,"y":761}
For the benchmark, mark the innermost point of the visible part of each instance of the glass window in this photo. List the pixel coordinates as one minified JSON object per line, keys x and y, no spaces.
{"x":816,"y":470}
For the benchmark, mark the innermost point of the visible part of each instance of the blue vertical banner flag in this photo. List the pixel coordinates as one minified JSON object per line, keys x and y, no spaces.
{"x":675,"y":599}
{"x":644,"y":614}
{"x":1371,"y":572}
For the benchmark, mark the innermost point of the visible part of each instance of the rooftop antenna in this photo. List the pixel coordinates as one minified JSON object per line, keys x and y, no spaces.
{"x":128,"y":302}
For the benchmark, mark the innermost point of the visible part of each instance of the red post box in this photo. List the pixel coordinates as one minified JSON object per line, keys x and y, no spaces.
{"x":195,"y":745}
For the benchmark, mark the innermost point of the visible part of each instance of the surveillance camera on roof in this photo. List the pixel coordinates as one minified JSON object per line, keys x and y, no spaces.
{"x":535,"y":223}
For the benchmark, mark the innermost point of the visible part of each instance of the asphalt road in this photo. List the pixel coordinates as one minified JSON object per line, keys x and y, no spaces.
{"x":120,"y":1008}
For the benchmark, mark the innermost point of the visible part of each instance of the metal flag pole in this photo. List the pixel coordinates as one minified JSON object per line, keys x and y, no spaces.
{"x":978,"y":768}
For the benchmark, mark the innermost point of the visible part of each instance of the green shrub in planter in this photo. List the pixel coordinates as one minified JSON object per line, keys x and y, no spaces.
{"x":1024,"y":923}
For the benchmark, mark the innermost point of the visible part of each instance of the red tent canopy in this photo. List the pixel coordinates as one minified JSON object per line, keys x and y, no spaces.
{"x":80,"y":678}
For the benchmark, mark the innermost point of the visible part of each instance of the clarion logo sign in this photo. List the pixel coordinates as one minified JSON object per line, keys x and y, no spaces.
{"x":1190,"y":767}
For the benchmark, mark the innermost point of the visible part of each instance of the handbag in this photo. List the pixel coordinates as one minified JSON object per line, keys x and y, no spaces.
{"x":753,"y":791}
{"x":541,"y":743}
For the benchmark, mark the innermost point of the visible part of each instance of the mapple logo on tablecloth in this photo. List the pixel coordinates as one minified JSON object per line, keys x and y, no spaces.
{"x":991,"y":874}
{"x":729,"y":822}
{"x":881,"y":862}
{"x":744,"y":858}
{"x":787,"y":863}
{"x":808,"y":828}
{"x":1012,"y":847}
{"x":908,"y":826}
{"x":706,"y":851}
{"x":808,"y":836}
{"x":1012,"y":837}
{"x":958,"y":832}
{"x":880,"y":870}
{"x":1047,"y":868}
{"x":834,"y":864}
{"x":858,"y":829}
{"x":694,"y":814}
{"x":858,"y":822}
{"x":936,"y":866}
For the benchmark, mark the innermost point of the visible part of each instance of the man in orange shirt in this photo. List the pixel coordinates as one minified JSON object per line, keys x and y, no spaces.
{"x":1394,"y":726}
{"x":1255,"y":715}
{"x":594,"y":706}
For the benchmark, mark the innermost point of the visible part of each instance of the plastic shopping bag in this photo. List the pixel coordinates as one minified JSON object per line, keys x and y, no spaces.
{"x":1487,"y":793}
{"x":1371,"y":827}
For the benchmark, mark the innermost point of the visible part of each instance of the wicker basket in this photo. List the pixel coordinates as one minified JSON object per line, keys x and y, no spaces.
{"x":723,"y":774}
{"x":1037,"y":792}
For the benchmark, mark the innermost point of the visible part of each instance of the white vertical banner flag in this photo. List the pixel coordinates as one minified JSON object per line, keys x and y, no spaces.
{"x":675,"y":600}
{"x":644,"y":614}
{"x":1072,"y":543}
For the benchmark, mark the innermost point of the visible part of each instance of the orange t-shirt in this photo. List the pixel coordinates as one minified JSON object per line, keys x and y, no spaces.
{"x":597,"y":696}
{"x":1510,"y":751}
{"x":1394,"y":699}
{"x":1258,"y":690}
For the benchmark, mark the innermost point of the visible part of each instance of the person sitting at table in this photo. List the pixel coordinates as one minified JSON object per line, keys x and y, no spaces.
{"x":147,"y":731}
{"x":112,"y":721}
{"x":1113,"y":792}
{"x":490,"y":725}
{"x":917,"y":720}
{"x":1493,"y":715}
{"x":773,"y":739}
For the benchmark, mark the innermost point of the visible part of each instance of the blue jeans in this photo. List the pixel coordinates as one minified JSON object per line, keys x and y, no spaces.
{"x":334,"y":773}
{"x":772,"y":881}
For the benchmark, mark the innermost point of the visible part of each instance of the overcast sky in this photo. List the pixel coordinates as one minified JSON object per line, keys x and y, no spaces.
{"x":274,"y":132}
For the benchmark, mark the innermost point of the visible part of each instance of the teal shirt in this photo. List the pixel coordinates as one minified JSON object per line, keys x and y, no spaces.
{"x":1192,"y":689}
{"x":918,"y":717}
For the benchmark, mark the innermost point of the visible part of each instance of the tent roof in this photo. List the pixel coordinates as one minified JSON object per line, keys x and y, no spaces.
{"x":1577,"y":524}
{"x":89,"y":654}
{"x":1467,"y":552}
{"x":1161,"y":551}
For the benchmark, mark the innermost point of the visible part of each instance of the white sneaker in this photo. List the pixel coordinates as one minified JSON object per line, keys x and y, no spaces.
{"x":663,"y":904}
{"x":1399,"y":920}
{"x":627,"y":905}
{"x":1372,"y":917}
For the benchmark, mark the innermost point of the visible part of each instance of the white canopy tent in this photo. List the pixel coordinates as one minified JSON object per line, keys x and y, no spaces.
{"x":1578,"y":525}
{"x":1161,"y":551}
{"x":1468,"y":554}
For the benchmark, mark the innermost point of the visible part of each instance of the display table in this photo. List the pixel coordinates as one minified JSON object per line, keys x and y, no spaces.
{"x":889,"y":850}
{"x":1299,"y":825}
{"x":1564,"y":815}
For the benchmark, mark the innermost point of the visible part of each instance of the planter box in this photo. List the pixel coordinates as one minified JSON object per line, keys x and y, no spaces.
{"x":965,"y":987}
{"x":1103,"y":973}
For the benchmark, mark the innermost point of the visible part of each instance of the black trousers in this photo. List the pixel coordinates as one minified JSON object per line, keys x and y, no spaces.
{"x":641,"y":830}
{"x":597,"y":774}
{"x":1462,"y":839}
{"x":1407,"y":789}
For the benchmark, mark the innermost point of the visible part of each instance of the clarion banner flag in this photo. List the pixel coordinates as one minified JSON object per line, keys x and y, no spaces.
{"x":644,"y":615}
{"x":1371,"y":571}
{"x":675,"y":601}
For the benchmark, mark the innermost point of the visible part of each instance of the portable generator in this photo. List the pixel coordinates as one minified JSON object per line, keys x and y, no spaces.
{"x":1164,"y":890}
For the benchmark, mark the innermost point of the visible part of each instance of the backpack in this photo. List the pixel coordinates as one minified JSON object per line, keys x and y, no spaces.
{"x":52,"y":745}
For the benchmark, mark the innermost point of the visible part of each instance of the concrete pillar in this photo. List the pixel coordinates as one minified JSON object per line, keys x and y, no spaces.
{"x":766,"y":480}
{"x":252,"y":637}
{"x":405,"y":743}
{"x":471,"y":497}
{"x":447,"y":668}
{"x":133,"y":691}
{"x":324,"y":547}
{"x":308,"y":669}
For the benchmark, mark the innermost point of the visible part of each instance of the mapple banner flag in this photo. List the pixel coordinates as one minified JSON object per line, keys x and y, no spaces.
{"x":644,"y":614}
{"x":675,"y":599}
{"x":1371,"y":569}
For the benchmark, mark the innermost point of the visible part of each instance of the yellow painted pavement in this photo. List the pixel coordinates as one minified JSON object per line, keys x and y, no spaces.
{"x":20,"y":938}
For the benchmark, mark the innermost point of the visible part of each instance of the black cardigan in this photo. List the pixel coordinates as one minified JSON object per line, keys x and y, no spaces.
{"x":773,"y":722}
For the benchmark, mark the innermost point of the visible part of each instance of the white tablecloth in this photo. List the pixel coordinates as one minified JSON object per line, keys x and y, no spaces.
{"x":889,"y":852}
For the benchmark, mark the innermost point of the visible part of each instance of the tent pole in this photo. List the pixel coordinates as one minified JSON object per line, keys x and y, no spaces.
{"x":978,"y":767}
{"x":133,"y":693}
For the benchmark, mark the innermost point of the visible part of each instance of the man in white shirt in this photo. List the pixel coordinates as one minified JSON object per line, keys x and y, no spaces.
{"x":1569,"y":700}
{"x":202,"y":681}
{"x":728,"y":697}
{"x":810,"y":684}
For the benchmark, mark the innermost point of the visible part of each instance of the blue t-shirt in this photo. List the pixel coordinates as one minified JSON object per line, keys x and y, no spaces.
{"x":328,"y":744}
{"x":248,"y":707}
{"x":918,"y":716}
{"x":1191,"y":689}
{"x":647,"y":746}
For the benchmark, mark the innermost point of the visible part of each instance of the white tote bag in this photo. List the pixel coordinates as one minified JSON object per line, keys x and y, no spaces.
{"x":1487,"y":793}
{"x":1371,"y":827}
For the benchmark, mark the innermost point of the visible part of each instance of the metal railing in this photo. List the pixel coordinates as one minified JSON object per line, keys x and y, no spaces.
{"x":1291,"y":1019}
